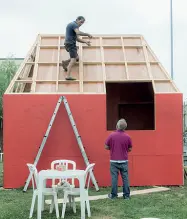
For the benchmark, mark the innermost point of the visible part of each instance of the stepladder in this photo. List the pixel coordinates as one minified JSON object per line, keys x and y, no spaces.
{"x":78,"y":138}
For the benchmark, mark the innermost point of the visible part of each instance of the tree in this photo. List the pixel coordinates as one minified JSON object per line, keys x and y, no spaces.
{"x":8,"y":68}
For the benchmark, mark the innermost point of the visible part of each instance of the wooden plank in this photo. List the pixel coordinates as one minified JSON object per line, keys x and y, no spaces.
{"x":97,"y":35}
{"x":48,"y":46}
{"x":59,"y":93}
{"x":81,"y":67}
{"x":48,"y":63}
{"x":129,"y":80}
{"x":58,"y":62}
{"x":147,"y":63}
{"x":126,"y":73}
{"x":136,"y":192}
{"x":33,"y":87}
{"x":24,"y":81}
{"x":126,"y":46}
{"x":103,"y":65}
{"x":10,"y":87}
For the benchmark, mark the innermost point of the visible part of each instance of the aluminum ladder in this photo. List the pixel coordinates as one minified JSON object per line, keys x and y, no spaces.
{"x":78,"y":137}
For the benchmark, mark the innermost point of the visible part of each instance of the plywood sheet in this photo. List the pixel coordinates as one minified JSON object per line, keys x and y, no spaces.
{"x":49,"y":41}
{"x":164,"y":87}
{"x":115,"y":72}
{"x":48,"y":55}
{"x":91,"y":54}
{"x":157,"y":72}
{"x":45,"y":87}
{"x":92,"y":72}
{"x":134,"y":54}
{"x":113,"y":55}
{"x":132,"y":41}
{"x":93,"y":87}
{"x":138,"y":71}
{"x":112,"y":41}
{"x":47,"y":72}
{"x":68,"y":87}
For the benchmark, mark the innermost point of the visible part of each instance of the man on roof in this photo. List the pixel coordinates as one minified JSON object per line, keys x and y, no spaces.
{"x":72,"y":36}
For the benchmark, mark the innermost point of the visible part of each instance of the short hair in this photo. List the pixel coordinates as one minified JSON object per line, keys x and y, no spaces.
{"x":80,"y":18}
{"x":121,"y":125}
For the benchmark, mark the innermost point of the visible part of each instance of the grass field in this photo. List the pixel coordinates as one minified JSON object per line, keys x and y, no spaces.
{"x":167,"y":205}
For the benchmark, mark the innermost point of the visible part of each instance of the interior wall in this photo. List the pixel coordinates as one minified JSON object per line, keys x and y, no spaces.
{"x":132,"y":101}
{"x":143,"y":120}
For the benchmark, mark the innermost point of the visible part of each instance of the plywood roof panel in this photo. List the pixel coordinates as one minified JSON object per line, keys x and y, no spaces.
{"x":115,"y":58}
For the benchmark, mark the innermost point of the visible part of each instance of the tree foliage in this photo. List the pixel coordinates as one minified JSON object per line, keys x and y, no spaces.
{"x":8,"y":67}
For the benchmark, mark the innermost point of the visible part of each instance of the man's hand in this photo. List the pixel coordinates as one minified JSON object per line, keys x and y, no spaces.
{"x":107,"y":147}
{"x":88,"y":43}
{"x":90,"y":36}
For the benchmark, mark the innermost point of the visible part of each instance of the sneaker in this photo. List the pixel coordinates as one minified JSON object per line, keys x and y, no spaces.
{"x":64,"y":66}
{"x":70,"y":78}
{"x":126,"y":198}
{"x":110,"y":196}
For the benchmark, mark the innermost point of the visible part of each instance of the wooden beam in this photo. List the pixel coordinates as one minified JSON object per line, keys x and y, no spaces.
{"x":126,"y":73}
{"x":58,"y":63}
{"x":103,"y":65}
{"x":148,"y":63}
{"x":33,"y":87}
{"x":81,"y":73}
{"x":111,"y":36}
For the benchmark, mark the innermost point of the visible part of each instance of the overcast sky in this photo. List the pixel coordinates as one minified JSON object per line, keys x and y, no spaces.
{"x":22,"y":20}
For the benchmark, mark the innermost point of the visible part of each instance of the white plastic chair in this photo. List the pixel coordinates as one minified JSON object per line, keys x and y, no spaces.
{"x":63,"y":165}
{"x":72,"y":192}
{"x":46,"y":191}
{"x":1,"y":156}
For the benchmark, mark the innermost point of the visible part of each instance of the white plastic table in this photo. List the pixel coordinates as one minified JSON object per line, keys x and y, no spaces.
{"x":53,"y":174}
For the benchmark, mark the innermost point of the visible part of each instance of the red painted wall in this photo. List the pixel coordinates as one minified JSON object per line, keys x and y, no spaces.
{"x":156,"y":158}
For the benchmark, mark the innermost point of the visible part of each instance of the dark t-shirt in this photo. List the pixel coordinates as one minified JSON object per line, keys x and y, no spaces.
{"x":71,"y":36}
{"x":119,"y":143}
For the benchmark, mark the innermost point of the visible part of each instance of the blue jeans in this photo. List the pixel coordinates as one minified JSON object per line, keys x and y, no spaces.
{"x":115,"y":168}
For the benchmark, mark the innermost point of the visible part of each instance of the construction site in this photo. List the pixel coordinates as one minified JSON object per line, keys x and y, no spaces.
{"x":118,"y":76}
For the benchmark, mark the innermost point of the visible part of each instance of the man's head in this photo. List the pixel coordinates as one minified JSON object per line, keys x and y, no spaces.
{"x":80,"y":20}
{"x":121,"y":125}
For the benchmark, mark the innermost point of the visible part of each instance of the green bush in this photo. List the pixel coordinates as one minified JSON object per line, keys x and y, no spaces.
{"x":8,"y":68}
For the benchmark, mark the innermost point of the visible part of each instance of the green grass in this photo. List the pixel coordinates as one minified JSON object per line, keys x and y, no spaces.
{"x":166,"y":205}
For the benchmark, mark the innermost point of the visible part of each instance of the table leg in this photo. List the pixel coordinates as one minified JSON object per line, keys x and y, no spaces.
{"x":82,"y":197}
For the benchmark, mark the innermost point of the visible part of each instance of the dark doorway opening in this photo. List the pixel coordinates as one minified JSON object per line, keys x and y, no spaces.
{"x":133,"y":101}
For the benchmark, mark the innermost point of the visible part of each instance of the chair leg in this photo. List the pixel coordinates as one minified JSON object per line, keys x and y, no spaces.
{"x":32,"y":205}
{"x":52,"y":205}
{"x":88,"y":206}
{"x":69,"y":197}
{"x":74,"y":204}
{"x":64,"y":204}
{"x":43,"y":202}
{"x":56,"y":205}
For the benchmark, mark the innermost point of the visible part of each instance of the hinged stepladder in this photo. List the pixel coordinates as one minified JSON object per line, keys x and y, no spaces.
{"x":78,"y":137}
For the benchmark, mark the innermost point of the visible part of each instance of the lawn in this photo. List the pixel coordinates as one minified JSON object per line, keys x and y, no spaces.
{"x":166,"y":205}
